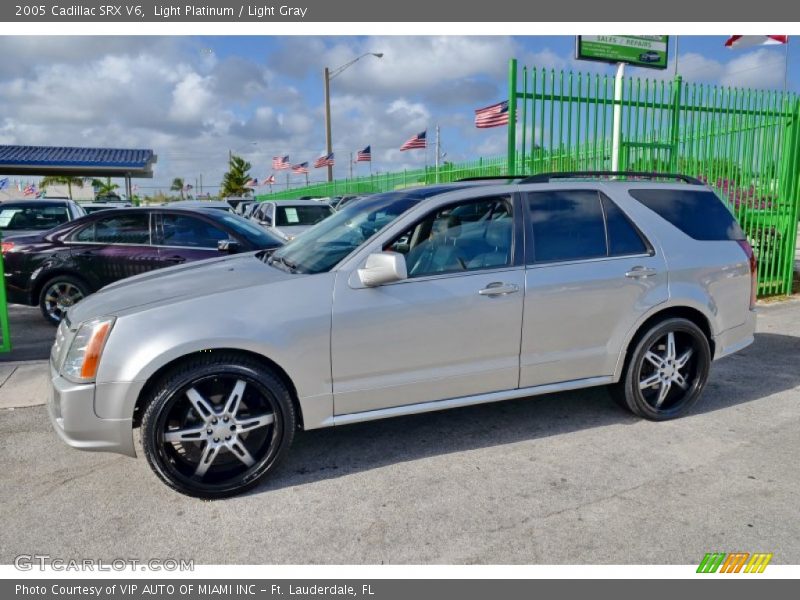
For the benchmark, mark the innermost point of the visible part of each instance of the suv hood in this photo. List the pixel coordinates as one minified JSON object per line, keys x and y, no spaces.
{"x":195,"y":279}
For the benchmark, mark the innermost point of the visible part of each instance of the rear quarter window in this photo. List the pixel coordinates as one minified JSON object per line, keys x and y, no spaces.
{"x":700,"y":214}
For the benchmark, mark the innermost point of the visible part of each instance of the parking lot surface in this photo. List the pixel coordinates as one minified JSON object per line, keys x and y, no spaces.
{"x":566,"y":478}
{"x":31,"y":335}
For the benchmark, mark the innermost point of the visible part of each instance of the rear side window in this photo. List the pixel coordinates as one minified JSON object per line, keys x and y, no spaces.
{"x":700,"y":214}
{"x":623,"y":237}
{"x":118,"y":229}
{"x":567,"y":225}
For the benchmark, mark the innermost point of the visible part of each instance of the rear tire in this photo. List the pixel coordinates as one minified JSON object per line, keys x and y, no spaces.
{"x":59,"y":294}
{"x":666,"y":371}
{"x":216,"y":425}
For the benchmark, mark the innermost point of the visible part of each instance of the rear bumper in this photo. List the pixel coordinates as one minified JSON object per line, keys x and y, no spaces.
{"x":71,"y":410}
{"x":736,"y":338}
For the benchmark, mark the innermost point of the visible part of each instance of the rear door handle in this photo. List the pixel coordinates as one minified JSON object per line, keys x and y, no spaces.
{"x":498,"y":288}
{"x":640,"y":272}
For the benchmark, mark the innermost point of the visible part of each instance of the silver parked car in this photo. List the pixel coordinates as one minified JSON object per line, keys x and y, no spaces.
{"x":407,"y":302}
{"x":290,"y":218}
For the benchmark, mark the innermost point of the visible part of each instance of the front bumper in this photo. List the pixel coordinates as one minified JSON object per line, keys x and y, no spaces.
{"x":71,"y":410}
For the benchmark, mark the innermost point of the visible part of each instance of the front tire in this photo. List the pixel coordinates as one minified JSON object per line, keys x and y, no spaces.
{"x":59,"y":294}
{"x":217,"y":425}
{"x":666,"y":372}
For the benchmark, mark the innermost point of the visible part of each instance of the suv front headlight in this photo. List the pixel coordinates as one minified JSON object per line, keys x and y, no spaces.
{"x":83,"y":357}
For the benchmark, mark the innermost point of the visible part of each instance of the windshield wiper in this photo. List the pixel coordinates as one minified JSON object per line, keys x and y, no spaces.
{"x":290,"y":266}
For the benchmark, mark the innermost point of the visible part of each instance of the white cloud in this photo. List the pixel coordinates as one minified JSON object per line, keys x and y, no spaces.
{"x":192,"y":99}
{"x":192,"y":106}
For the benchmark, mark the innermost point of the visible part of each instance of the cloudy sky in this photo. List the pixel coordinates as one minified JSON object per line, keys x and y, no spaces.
{"x":192,"y":99}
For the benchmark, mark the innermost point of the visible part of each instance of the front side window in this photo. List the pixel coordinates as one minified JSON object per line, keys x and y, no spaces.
{"x":190,"y":232}
{"x":323,"y":246}
{"x":462,"y":237}
{"x":118,"y":229}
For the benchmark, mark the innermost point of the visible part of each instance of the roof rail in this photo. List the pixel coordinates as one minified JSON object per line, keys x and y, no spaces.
{"x":547,"y":177}
{"x":491,"y":177}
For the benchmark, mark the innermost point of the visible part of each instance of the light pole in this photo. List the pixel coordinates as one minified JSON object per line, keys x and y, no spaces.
{"x":329,"y":74}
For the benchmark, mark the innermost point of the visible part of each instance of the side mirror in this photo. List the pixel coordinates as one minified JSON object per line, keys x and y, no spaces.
{"x":265,"y":221}
{"x":383,"y":267}
{"x":229,"y":246}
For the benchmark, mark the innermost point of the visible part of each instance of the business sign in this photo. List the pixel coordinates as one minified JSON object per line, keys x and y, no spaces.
{"x":650,"y":51}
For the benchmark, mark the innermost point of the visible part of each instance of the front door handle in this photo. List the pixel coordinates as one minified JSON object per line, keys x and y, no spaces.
{"x":175,"y":259}
{"x":640,"y":272}
{"x":498,"y":288}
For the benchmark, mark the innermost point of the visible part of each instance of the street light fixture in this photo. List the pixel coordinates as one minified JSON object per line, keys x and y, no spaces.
{"x":329,"y":74}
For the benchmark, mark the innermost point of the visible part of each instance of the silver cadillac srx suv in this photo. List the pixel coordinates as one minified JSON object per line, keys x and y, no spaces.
{"x":406,"y":302}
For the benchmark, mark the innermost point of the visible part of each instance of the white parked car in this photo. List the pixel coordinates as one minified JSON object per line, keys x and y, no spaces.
{"x":289,"y":219}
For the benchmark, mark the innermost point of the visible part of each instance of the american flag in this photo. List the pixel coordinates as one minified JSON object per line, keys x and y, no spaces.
{"x":188,"y":187}
{"x":280,"y":162}
{"x":416,"y":142}
{"x":269,"y":180}
{"x":251,"y":183}
{"x":364,"y":155}
{"x":324,"y":161}
{"x":301,"y":168}
{"x":30,"y":190}
{"x":495,"y":115}
{"x":748,"y":41}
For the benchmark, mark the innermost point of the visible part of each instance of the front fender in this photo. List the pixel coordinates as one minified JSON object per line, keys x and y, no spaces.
{"x":288,"y":322}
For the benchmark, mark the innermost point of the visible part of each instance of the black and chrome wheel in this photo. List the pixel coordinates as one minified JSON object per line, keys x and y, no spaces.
{"x":217,"y":425}
{"x":667,"y":371}
{"x":58,"y":294}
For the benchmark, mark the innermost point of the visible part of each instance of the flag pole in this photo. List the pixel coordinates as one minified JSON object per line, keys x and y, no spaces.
{"x":677,"y":46}
{"x":438,"y":141}
{"x":786,"y":67}
{"x":351,"y":166}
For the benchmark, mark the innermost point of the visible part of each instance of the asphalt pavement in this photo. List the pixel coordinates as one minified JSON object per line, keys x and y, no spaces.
{"x":563,"y":478}
{"x":31,"y":335}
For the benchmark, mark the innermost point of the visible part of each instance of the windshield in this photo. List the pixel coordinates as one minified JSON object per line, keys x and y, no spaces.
{"x":26,"y":217}
{"x":320,"y":248}
{"x":254,"y":234}
{"x":293,"y":216}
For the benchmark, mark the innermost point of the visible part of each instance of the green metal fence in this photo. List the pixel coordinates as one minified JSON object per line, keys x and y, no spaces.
{"x":385,"y":182}
{"x":745,"y":143}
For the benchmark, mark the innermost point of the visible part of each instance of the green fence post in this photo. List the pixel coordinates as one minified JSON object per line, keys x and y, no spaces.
{"x":791,"y":162}
{"x":512,"y":116}
{"x":677,"y":97}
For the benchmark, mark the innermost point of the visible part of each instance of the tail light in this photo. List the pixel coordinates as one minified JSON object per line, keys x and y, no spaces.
{"x":751,"y":256}
{"x":7,"y":246}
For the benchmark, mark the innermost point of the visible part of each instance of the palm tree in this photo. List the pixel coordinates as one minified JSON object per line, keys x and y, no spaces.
{"x":234,"y":182}
{"x":177,"y":186}
{"x":104,"y":188}
{"x":67,"y":180}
